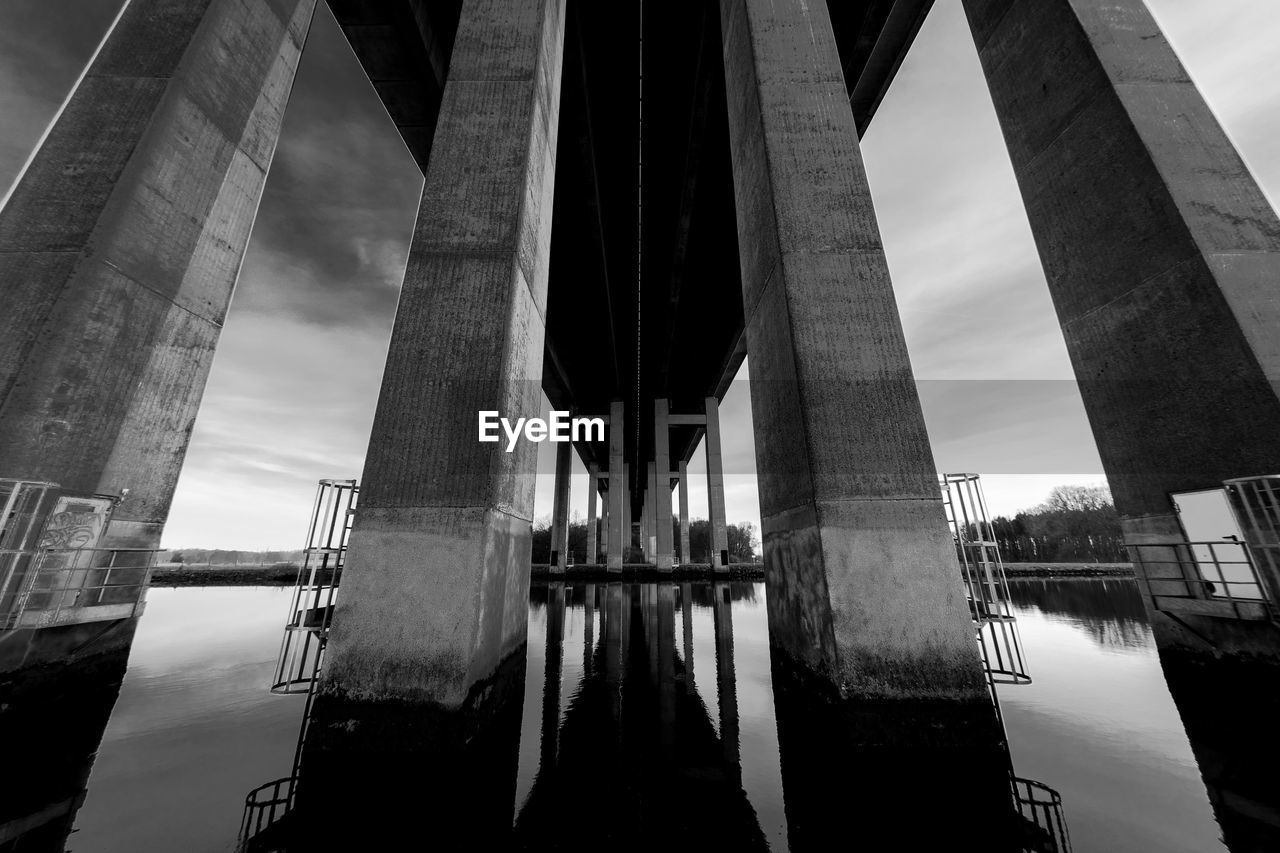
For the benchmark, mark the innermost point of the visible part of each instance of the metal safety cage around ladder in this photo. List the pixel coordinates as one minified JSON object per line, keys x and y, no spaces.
{"x":1255,"y":502}
{"x":316,"y":590}
{"x":985,"y":583}
{"x":1044,"y":821}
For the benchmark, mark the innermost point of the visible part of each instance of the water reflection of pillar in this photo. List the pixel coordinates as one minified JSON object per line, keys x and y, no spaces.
{"x":665,"y":624}
{"x":686,"y":613}
{"x":551,"y":679}
{"x":589,"y":629}
{"x":613,"y":632}
{"x":726,"y":682}
{"x":1229,"y":708}
{"x":51,"y":723}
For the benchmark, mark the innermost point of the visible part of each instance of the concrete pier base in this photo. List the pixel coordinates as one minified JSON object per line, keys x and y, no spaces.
{"x":121,"y":244}
{"x":434,"y":594}
{"x":864,"y":591}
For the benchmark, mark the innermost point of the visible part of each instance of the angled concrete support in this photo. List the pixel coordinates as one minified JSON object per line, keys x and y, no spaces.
{"x":862,"y":578}
{"x":121,"y":243}
{"x":435,"y":592}
{"x":684,"y":513}
{"x":593,"y":474}
{"x":662,"y":485}
{"x":718,"y":528}
{"x":618,"y":524}
{"x":560,"y":508}
{"x":1161,"y":252}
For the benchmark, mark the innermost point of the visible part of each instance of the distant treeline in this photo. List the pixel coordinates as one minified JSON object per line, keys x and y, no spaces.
{"x":1077,"y":524}
{"x":742,"y":542}
{"x":194,"y":557}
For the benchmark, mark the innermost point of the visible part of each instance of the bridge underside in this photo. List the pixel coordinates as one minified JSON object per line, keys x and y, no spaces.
{"x":685,"y":304}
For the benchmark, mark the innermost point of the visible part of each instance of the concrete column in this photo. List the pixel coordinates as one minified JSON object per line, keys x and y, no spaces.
{"x":662,"y":492}
{"x":627,"y":532}
{"x":606,"y":519}
{"x":719,"y":533}
{"x":1160,"y":250}
{"x":560,"y":507}
{"x":121,"y":244}
{"x":435,"y":591}
{"x":617,"y":489}
{"x":863,"y":588}
{"x":593,"y":472}
{"x":652,"y":517}
{"x":644,"y":526}
{"x":684,"y":512}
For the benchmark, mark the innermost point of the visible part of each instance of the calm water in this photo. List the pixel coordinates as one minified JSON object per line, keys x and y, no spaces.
{"x":194,"y":727}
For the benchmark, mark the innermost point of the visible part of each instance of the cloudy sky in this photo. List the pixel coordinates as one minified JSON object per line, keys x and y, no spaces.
{"x":293,"y":387}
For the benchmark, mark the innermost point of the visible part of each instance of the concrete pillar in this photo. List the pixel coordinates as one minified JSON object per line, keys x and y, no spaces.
{"x":684,"y":513}
{"x":863,"y":589}
{"x":718,"y":528}
{"x":593,"y":472}
{"x":121,"y":244}
{"x":662,"y":492}
{"x":435,"y":591}
{"x":644,"y":525}
{"x":1160,"y":250}
{"x":560,"y":507}
{"x":651,"y":506}
{"x":605,"y":522}
{"x":618,"y":489}
{"x":627,"y":532}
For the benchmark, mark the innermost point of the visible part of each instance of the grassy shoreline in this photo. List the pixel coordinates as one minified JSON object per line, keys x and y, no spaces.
{"x":285,"y":574}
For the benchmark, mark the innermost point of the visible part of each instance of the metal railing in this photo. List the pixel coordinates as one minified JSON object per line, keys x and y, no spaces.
{"x":43,"y":585}
{"x":1041,"y":807}
{"x":1219,"y":571}
{"x":265,"y":805}
{"x":986,"y":585}
{"x":315,"y":592}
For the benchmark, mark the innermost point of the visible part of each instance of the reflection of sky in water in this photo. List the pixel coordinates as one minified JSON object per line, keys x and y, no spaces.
{"x":195,"y":727}
{"x":1098,"y":724}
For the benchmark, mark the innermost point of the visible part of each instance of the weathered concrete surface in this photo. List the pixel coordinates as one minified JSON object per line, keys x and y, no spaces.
{"x":434,"y":595}
{"x":120,"y":246}
{"x":684,"y":512}
{"x":716,"y":516}
{"x":560,"y":507}
{"x":1161,"y":252}
{"x":619,"y":527}
{"x":593,"y":484}
{"x":662,"y":484}
{"x":861,"y":573}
